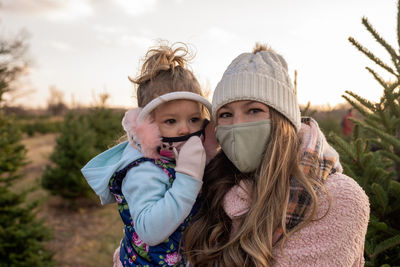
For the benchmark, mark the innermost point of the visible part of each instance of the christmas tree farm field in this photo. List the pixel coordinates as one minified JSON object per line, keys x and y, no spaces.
{"x":84,"y":236}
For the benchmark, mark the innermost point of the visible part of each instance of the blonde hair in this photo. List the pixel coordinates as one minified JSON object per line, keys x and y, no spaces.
{"x":208,"y":241}
{"x":165,"y":70}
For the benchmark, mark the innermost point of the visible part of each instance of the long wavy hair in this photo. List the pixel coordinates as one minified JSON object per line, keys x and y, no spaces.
{"x":208,"y":240}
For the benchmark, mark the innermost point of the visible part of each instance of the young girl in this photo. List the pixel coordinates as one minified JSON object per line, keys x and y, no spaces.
{"x":275,"y":195}
{"x":156,"y":176}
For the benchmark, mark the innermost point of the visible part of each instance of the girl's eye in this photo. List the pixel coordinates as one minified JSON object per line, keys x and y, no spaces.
{"x":194,"y":120}
{"x":225,"y":115}
{"x":170,"y":121}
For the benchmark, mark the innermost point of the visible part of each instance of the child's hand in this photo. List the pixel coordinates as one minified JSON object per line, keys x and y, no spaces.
{"x":191,"y":159}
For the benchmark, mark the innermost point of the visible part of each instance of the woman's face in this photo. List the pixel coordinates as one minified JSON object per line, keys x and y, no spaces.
{"x":241,"y":112}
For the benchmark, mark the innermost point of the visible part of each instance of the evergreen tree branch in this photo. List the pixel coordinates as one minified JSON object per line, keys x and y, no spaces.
{"x":394,"y":85}
{"x":381,"y":197}
{"x":387,"y":244}
{"x":382,"y":145}
{"x":370,"y":118}
{"x":359,"y":147}
{"x":391,"y":101}
{"x":385,"y":121}
{"x":347,"y":169}
{"x":396,"y":123}
{"x":366,"y":103}
{"x":384,"y":136}
{"x":390,"y":155}
{"x":371,"y":56}
{"x":398,"y":23}
{"x":395,"y":187}
{"x":379,"y":39}
{"x":395,"y":95}
{"x":377,"y":169}
{"x":343,"y":146}
{"x":368,"y":249}
{"x":378,"y":78}
{"x":373,"y":121}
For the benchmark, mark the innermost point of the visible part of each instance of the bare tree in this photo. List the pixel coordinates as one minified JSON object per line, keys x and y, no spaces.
{"x":13,"y":63}
{"x":55,"y":103}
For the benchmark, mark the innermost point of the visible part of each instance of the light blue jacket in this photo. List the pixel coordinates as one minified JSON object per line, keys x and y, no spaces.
{"x":157,"y":208}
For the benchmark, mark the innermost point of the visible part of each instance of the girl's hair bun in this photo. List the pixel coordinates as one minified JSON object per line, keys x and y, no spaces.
{"x":162,"y":58}
{"x":165,"y":70}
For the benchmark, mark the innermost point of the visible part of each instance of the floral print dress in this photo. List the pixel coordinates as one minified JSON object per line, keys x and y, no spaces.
{"x":133,"y":251}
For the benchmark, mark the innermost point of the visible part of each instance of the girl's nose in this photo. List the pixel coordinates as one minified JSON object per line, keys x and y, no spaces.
{"x":184,"y":129}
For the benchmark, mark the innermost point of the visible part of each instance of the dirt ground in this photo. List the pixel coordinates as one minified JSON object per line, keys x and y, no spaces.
{"x":86,"y":236}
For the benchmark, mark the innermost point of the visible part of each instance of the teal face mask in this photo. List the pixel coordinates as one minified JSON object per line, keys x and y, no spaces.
{"x":244,"y":143}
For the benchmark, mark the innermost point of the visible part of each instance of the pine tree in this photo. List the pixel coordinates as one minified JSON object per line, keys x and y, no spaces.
{"x":13,"y":64}
{"x":372,"y":156}
{"x":21,"y":234}
{"x":82,"y":137}
{"x":75,"y":147}
{"x":106,"y":124}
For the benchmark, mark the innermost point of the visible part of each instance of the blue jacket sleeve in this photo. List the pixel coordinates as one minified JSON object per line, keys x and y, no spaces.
{"x":157,"y":208}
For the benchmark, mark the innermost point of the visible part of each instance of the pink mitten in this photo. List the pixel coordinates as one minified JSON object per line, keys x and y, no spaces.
{"x":191,"y":159}
{"x":116,"y":260}
{"x":238,"y":200}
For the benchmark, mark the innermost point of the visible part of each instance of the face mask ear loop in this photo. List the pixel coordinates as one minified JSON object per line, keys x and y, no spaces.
{"x":205,"y":123}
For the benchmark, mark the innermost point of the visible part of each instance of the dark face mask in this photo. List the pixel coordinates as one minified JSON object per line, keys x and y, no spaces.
{"x":168,"y":143}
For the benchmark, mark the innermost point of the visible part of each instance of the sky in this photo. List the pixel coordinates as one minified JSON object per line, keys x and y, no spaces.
{"x":85,"y":48}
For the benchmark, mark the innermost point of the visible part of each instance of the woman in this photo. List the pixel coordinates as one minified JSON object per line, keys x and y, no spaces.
{"x":275,"y":194}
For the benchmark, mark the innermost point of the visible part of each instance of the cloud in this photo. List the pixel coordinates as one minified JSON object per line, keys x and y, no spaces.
{"x":137,"y":7}
{"x":220,"y":35}
{"x":107,"y":35}
{"x":116,"y":39}
{"x":119,"y":36}
{"x":27,"y":6}
{"x":50,"y":9}
{"x":61,"y":46}
{"x":141,"y":41}
{"x":109,"y":29}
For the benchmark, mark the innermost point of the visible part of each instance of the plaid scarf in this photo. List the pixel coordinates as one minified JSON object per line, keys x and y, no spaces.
{"x":318,"y":160}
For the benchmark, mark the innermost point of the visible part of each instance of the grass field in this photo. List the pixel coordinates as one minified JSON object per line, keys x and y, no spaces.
{"x":85,"y":236}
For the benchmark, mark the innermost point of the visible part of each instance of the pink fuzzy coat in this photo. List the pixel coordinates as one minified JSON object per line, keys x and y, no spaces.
{"x":337,"y":234}
{"x":337,"y":239}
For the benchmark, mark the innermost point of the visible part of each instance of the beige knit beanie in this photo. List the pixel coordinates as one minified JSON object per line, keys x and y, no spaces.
{"x":260,"y":76}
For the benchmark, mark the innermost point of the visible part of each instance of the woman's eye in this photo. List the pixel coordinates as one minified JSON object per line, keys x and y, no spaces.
{"x":225,"y":115}
{"x":170,"y":121}
{"x":255,"y":110}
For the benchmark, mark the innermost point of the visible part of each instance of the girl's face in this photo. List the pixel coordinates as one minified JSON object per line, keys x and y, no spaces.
{"x":178,"y":118}
{"x":241,"y":112}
